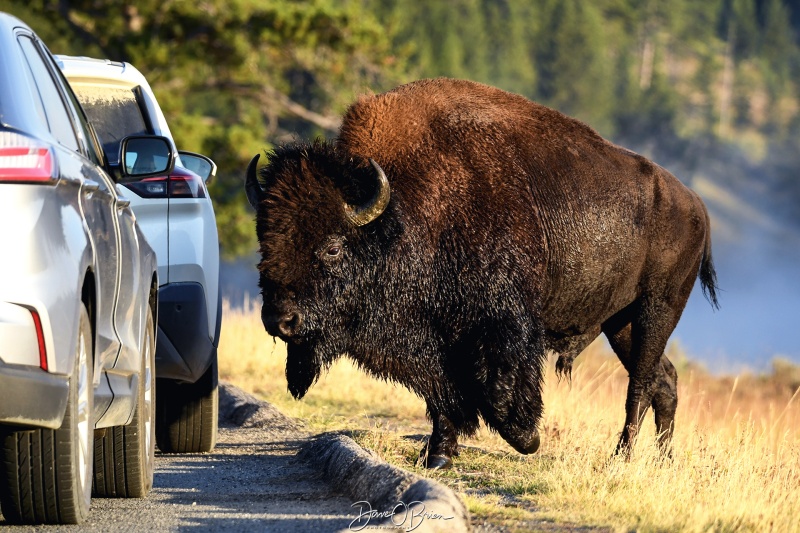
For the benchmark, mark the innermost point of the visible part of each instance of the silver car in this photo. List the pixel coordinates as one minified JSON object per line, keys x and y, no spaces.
{"x":176,"y":214}
{"x":78,"y":299}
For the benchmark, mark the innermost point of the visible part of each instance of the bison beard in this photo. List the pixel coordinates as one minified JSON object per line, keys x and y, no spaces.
{"x":453,"y":233}
{"x":303,"y":368}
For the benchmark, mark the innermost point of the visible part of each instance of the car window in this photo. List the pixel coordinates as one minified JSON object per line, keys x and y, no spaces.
{"x":56,"y":114}
{"x":114,"y":113}
{"x":92,"y":148}
{"x":37,"y":98}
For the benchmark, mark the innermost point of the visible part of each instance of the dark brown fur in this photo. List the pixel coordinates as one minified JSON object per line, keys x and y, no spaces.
{"x":511,"y":229}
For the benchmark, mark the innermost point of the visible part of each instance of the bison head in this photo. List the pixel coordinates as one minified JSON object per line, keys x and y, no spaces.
{"x":321,"y":235}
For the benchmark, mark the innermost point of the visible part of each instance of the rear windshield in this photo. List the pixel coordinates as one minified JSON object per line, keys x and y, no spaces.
{"x":114,"y":113}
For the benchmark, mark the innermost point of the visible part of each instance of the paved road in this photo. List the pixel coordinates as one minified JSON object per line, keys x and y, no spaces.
{"x":250,"y":482}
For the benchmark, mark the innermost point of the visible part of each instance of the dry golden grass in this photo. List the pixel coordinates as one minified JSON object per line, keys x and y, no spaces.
{"x":735,"y":467}
{"x":255,"y":362}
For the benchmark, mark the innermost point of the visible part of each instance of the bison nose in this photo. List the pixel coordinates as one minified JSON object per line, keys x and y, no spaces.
{"x":285,"y":326}
{"x":289,"y":324}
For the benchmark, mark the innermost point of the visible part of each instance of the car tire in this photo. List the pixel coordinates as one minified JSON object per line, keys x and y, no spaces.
{"x":188,"y":414}
{"x":124,"y":456}
{"x":47,"y":473}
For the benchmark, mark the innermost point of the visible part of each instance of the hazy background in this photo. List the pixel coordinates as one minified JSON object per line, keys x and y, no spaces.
{"x":710,"y":90}
{"x":759,"y":318}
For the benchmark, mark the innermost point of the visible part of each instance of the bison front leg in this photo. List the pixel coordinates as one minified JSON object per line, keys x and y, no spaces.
{"x":442,"y":445}
{"x":513,"y":391}
{"x":514,"y":413}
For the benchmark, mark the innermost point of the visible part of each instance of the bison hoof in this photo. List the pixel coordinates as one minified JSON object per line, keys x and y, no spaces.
{"x":438,"y":462}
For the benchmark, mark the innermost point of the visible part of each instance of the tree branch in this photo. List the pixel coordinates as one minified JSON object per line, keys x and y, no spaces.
{"x":85,"y":34}
{"x":268,"y":97}
{"x":271,"y":95}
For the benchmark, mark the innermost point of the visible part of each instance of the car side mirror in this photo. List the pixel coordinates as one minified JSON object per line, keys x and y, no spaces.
{"x":199,"y":164}
{"x":142,"y":156}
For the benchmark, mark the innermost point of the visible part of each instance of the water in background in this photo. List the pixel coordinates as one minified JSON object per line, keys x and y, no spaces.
{"x":239,"y":282}
{"x":759,"y":315}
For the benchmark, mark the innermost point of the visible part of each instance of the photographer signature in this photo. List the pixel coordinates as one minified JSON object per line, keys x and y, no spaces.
{"x":408,"y":516}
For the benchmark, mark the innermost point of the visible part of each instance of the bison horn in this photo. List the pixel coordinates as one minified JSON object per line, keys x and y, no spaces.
{"x":251,"y":186}
{"x":364,"y":214}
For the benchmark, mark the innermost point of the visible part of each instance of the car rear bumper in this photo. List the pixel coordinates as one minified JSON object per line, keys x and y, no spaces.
{"x":184,"y":346}
{"x":32,"y":397}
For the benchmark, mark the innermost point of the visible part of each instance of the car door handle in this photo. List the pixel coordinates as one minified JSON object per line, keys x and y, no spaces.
{"x":89,"y":186}
{"x":122,"y":203}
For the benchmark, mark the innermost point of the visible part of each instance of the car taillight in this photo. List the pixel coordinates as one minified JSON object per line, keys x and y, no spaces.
{"x":149,"y":187}
{"x":24,"y":160}
{"x":37,"y":322}
{"x":181,"y":183}
{"x":186,"y":186}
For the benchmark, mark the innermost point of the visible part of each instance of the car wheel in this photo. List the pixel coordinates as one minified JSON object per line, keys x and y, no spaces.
{"x":46,"y":474}
{"x":124,"y":455}
{"x":188,"y":414}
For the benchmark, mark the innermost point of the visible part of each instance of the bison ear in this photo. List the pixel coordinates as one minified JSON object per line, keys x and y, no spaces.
{"x":255,"y":194}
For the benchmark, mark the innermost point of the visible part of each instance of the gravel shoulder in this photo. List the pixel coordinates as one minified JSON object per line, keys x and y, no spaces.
{"x":254,"y":480}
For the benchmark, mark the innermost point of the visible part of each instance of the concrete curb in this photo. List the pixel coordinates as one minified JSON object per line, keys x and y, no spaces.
{"x":245,"y":410}
{"x":384,"y":495}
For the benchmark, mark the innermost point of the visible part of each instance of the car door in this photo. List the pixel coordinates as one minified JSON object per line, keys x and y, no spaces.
{"x":98,"y":199}
{"x":127,"y":312}
{"x":128,"y":319}
{"x":127,"y":315}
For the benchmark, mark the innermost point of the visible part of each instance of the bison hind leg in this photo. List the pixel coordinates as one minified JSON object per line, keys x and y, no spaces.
{"x":665,"y":403}
{"x":638,"y":335}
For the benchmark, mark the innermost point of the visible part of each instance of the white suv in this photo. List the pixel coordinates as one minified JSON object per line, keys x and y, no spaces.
{"x":177,"y":217}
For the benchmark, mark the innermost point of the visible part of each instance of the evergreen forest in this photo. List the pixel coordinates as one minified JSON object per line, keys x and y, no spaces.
{"x":710,"y":89}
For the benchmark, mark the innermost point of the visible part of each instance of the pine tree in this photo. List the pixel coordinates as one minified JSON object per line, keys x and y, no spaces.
{"x":510,"y":27}
{"x":572,"y":62}
{"x":778,"y":52}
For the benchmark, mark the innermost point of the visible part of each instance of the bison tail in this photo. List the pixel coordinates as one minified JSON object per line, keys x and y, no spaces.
{"x":708,"y":276}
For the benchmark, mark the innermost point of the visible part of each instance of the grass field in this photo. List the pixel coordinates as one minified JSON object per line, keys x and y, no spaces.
{"x":735,"y":466}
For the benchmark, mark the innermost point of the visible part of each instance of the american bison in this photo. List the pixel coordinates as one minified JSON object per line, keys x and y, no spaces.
{"x":453,"y":233}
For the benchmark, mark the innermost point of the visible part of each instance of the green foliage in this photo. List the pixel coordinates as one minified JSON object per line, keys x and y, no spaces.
{"x":46,"y":18}
{"x":573,"y":63}
{"x":739,"y":27}
{"x":236,"y":77}
{"x":229,"y":74}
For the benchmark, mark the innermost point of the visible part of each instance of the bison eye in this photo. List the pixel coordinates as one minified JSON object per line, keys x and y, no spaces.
{"x":332,"y":252}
